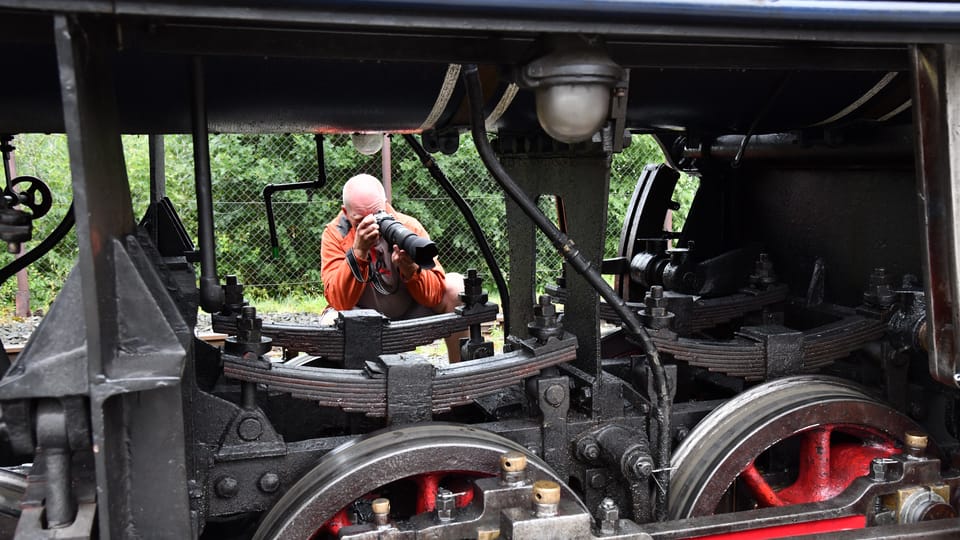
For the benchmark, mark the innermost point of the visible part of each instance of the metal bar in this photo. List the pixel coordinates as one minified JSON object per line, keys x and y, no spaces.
{"x":158,"y":179}
{"x":795,"y":20}
{"x":211,"y":293}
{"x":130,"y":430}
{"x":936,"y":83}
{"x":103,"y":213}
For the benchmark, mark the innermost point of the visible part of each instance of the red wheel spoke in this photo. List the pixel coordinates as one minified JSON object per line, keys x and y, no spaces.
{"x":761,"y":489}
{"x":815,"y":458}
{"x":427,"y":486}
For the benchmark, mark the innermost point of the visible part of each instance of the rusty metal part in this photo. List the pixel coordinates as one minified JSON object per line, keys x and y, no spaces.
{"x":354,"y":390}
{"x":398,"y":336}
{"x":725,"y":444}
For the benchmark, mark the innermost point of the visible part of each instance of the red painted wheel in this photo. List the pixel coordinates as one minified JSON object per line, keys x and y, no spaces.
{"x":409,"y":496}
{"x":407,"y":465}
{"x":790,"y":441}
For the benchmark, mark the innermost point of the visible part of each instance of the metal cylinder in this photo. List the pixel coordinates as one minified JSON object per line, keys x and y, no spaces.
{"x":513,"y":468}
{"x":627,"y":449}
{"x":381,"y":511}
{"x":60,"y":505}
{"x":546,"y":498}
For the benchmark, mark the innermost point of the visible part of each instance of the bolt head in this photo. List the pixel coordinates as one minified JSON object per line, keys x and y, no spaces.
{"x":597,"y":480}
{"x":227,"y":487}
{"x":269,"y":482}
{"x":554,"y":395}
{"x":878,"y":469}
{"x":588,"y":449}
{"x":545,"y":311}
{"x":642,"y":468}
{"x":591,"y":451}
{"x":250,"y":429}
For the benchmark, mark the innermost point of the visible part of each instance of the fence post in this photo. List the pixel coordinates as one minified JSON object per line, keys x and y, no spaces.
{"x":22,"y":298}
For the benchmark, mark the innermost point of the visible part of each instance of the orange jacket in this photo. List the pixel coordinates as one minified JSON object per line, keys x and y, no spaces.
{"x":343,"y":291}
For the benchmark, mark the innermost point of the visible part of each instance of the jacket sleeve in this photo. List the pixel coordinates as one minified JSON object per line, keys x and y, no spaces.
{"x":427,"y":287}
{"x":340,"y":288}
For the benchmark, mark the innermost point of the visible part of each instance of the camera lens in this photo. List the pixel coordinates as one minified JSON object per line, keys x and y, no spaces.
{"x":421,"y":250}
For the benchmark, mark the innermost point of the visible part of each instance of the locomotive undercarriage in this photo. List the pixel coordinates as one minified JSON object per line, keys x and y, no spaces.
{"x":803,"y":323}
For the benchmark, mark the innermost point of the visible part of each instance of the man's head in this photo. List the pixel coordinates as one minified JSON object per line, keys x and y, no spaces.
{"x":362,"y":195}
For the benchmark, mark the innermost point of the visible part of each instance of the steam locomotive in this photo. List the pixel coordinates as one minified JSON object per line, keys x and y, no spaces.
{"x":786,"y":364}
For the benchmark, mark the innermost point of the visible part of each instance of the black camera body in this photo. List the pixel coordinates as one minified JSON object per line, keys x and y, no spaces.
{"x":421,"y":250}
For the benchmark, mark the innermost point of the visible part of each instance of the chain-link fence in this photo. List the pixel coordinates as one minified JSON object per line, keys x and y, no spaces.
{"x":242,"y":165}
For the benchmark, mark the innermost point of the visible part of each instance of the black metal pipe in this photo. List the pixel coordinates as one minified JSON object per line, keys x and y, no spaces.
{"x":211,"y":293}
{"x":571,"y":254}
{"x":270,"y":189}
{"x":40,"y":249}
{"x":475,"y":228}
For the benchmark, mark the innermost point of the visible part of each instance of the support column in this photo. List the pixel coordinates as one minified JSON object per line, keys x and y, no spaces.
{"x":582,"y":178}
{"x":134,"y":362}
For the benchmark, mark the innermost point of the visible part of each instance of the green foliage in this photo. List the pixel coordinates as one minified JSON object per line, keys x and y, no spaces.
{"x":242,"y":165}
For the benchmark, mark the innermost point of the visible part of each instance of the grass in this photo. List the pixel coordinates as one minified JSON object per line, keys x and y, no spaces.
{"x":294,"y":303}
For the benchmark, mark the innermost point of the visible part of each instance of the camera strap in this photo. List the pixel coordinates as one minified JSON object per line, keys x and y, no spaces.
{"x":380,"y":262}
{"x":355,"y":266}
{"x":375,"y":279}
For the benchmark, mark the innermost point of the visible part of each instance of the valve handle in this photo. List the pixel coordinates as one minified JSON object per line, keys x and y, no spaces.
{"x":36,"y":195}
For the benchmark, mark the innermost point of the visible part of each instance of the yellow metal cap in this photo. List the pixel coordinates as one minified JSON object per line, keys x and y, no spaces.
{"x":513,"y":462}
{"x":915,"y":439}
{"x":546,"y":492}
{"x":380,"y":506}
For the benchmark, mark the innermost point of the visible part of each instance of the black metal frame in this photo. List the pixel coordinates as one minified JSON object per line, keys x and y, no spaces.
{"x":115,"y":400}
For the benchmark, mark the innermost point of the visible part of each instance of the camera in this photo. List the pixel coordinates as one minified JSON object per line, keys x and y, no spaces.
{"x":421,"y":250}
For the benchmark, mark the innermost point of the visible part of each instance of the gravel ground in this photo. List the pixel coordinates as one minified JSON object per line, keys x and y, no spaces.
{"x":17,"y":330}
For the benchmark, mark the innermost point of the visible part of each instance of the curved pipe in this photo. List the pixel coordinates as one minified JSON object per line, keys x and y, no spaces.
{"x":270,"y":189}
{"x":578,"y":262}
{"x":41,"y":249}
{"x":211,"y":293}
{"x":491,"y":261}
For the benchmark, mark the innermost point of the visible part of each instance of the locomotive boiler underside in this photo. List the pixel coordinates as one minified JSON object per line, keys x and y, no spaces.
{"x":783,"y":365}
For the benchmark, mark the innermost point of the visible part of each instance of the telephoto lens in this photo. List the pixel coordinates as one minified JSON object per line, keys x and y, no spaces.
{"x":421,"y":250}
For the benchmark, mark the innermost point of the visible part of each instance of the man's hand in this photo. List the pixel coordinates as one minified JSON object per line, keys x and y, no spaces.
{"x":403,"y":261}
{"x":368,"y":234}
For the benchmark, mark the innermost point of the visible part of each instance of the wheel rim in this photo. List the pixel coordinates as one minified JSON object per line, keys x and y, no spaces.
{"x":360,"y":467}
{"x":833,"y":428}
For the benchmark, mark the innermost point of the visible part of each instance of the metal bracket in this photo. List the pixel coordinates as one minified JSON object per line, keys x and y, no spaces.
{"x":783,"y":348}
{"x":409,"y":388}
{"x":362,"y":336}
{"x":553,"y":398}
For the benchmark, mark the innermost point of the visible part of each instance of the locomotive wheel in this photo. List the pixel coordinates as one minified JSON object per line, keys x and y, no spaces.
{"x":789,"y":441}
{"x":418,"y":456}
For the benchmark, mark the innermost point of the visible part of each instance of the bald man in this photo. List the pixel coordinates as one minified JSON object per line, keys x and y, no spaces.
{"x":359,"y":269}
